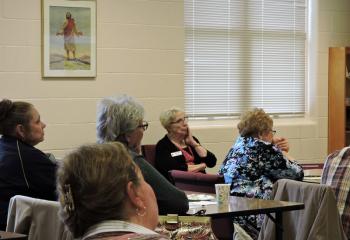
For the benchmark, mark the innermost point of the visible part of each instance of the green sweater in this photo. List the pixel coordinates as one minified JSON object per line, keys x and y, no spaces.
{"x":169,"y":198}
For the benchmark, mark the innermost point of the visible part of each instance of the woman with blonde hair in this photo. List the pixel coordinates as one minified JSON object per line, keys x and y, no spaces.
{"x":103,"y":195}
{"x":256,"y":160}
{"x":178,"y":149}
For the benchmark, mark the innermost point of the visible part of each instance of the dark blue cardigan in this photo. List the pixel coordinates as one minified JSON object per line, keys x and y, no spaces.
{"x":39,"y":170}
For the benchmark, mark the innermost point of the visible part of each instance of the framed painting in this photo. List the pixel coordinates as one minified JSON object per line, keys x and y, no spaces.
{"x":68,"y":38}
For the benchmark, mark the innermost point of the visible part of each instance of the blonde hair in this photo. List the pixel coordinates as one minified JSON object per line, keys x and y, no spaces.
{"x":168,"y":116}
{"x":254,"y":123}
{"x":91,"y":182}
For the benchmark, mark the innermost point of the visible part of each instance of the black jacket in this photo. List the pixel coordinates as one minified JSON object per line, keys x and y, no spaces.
{"x":166,"y":162}
{"x":38,"y":169}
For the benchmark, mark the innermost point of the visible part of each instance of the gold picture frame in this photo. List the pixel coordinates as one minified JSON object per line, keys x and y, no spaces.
{"x":68,"y":38}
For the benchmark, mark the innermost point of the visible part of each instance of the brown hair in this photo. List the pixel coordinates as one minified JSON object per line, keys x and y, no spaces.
{"x":12,"y":114}
{"x":91,"y":182}
{"x":254,"y":123}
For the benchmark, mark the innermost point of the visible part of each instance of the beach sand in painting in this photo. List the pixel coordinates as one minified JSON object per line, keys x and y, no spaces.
{"x":82,"y":43}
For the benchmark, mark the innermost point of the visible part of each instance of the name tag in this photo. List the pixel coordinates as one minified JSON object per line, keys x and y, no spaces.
{"x":175,"y":154}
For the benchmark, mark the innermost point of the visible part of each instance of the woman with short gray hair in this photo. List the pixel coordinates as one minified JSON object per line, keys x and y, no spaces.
{"x":118,"y":117}
{"x":121,"y":119}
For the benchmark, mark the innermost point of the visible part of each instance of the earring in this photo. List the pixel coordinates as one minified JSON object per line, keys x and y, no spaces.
{"x":138,"y":212}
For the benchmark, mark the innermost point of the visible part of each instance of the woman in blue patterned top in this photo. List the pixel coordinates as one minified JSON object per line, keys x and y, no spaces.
{"x":256,"y":160}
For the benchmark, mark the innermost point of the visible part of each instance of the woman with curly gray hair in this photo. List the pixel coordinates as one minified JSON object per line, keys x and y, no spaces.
{"x":122,"y":119}
{"x":255,"y":161}
{"x":102,"y":204}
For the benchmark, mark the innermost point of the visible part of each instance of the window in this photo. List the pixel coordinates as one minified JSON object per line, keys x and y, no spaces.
{"x":241,"y":54}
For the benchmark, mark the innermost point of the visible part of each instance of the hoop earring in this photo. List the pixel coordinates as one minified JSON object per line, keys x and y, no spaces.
{"x":139,"y":213}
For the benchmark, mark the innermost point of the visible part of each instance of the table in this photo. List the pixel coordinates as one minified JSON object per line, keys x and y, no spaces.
{"x":12,"y":236}
{"x":239,"y":206}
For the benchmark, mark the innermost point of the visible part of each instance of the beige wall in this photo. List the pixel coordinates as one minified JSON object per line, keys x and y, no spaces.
{"x":140,"y":52}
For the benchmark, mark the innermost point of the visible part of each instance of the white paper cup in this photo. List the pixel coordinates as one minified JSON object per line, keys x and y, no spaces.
{"x":222,"y":192}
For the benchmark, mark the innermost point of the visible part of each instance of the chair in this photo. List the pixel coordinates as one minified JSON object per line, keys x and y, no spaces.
{"x":36,"y":218}
{"x":149,"y":152}
{"x":187,"y":181}
{"x":198,"y":182}
{"x":319,"y":220}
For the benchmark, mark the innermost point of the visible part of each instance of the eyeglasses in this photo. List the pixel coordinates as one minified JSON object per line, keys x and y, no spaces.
{"x":181,"y":120}
{"x":144,"y":125}
{"x":273,"y":132}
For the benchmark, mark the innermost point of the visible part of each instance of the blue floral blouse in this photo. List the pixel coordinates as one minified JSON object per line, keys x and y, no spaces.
{"x":252,"y":166}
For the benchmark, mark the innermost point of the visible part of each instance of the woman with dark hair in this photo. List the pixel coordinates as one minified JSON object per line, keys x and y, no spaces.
{"x":24,"y":169}
{"x":122,"y":119}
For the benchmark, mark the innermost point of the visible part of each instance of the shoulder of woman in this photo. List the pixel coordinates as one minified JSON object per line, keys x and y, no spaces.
{"x":164,"y":140}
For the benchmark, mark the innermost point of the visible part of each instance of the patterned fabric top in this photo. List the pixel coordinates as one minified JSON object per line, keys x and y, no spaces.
{"x":126,"y":236}
{"x":115,"y":229}
{"x":336,"y":173}
{"x":252,"y":166}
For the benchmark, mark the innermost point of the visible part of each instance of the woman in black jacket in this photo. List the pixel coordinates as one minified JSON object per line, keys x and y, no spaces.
{"x":24,"y":169}
{"x":178,"y":149}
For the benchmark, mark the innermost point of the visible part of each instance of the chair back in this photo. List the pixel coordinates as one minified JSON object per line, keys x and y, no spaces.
{"x":319,"y":220}
{"x":198,"y":182}
{"x":149,"y":152}
{"x":36,"y":218}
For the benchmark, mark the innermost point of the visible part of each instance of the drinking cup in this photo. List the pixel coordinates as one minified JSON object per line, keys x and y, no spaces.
{"x":222,"y":193}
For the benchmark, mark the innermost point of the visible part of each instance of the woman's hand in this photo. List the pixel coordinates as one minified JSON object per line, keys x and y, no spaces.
{"x":282,"y":143}
{"x":189,"y":140}
{"x":197,"y":167}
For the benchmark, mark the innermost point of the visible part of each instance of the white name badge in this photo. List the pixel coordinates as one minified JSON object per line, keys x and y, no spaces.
{"x":174,"y":154}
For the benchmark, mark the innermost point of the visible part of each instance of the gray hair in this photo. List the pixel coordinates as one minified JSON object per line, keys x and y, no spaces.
{"x":168,"y":116}
{"x":117,"y":116}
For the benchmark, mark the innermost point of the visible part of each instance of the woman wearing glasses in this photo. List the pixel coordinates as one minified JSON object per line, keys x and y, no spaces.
{"x":178,"y":149}
{"x":121,"y":119}
{"x":256,"y":160}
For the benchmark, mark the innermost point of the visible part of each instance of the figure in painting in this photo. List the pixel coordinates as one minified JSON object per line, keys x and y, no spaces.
{"x":69,"y":30}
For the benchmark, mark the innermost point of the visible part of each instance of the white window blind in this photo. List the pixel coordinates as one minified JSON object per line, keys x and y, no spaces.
{"x":241,"y":54}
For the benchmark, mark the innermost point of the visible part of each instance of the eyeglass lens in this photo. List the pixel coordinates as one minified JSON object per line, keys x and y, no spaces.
{"x":181,"y":120}
{"x":144,"y":125}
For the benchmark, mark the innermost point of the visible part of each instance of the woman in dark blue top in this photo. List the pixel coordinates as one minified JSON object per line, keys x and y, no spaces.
{"x":24,"y":169}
